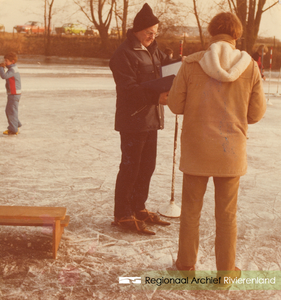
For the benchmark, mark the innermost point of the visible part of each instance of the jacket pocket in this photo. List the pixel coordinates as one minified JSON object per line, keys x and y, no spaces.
{"x":145,"y":73}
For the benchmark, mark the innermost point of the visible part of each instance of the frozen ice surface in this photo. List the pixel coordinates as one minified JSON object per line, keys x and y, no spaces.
{"x":53,"y":77}
{"x":67,"y":154}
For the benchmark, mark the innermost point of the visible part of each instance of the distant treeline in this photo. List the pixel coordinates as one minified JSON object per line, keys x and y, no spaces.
{"x":82,"y":46}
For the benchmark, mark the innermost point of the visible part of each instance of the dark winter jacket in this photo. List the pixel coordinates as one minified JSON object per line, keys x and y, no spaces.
{"x":136,"y":109}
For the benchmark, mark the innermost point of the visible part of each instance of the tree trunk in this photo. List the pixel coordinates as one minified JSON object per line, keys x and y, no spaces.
{"x":101,"y":25}
{"x":124,"y":19}
{"x":103,"y":31}
{"x":45,"y":21}
{"x":241,"y":11}
{"x":250,"y":13}
{"x":48,"y":45}
{"x":199,"y":25}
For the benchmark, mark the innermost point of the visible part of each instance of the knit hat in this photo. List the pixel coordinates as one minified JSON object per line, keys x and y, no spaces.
{"x":144,"y":19}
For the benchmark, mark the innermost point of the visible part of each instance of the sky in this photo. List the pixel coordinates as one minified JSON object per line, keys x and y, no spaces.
{"x":17,"y":12}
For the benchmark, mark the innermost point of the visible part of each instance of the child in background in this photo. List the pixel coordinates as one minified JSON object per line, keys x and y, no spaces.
{"x":13,"y":87}
{"x":169,"y":52}
{"x":258,"y":57}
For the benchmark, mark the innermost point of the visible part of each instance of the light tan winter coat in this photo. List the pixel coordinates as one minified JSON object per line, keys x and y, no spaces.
{"x":219,"y":92}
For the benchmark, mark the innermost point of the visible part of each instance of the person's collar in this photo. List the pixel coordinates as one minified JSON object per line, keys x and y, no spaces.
{"x":223,"y":38}
{"x":11,"y":65}
{"x":133,"y":39}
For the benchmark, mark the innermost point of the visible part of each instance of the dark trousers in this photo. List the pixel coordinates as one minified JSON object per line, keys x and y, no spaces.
{"x":135,"y":171}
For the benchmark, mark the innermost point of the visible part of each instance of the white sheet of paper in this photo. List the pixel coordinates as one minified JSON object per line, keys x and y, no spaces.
{"x":171,"y":69}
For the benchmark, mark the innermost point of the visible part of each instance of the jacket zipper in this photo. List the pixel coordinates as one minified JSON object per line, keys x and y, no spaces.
{"x":139,"y":110}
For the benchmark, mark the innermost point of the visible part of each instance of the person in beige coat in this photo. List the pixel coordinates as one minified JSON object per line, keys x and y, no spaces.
{"x":219,"y":92}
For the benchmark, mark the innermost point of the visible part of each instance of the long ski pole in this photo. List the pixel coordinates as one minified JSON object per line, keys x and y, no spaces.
{"x":277,"y":92}
{"x":172,"y":210}
{"x":270,"y":64}
{"x":175,"y":140}
{"x":174,"y":159}
{"x":261,"y":67}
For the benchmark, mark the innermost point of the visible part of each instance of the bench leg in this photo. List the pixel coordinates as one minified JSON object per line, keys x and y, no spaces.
{"x":57,"y":233}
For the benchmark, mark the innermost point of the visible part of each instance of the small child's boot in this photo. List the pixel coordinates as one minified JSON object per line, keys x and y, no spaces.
{"x":9,"y":132}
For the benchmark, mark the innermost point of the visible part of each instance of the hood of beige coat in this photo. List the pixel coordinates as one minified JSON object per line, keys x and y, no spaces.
{"x":222,"y":61}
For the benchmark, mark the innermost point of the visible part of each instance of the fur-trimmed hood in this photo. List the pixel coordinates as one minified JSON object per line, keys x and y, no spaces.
{"x":222,"y":61}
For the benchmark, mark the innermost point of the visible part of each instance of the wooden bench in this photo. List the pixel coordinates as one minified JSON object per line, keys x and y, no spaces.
{"x":37,"y":216}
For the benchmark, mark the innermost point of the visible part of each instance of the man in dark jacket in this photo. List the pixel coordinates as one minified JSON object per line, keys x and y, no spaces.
{"x":139,"y":115}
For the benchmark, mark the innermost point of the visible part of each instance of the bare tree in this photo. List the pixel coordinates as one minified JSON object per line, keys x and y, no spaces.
{"x":48,"y":13}
{"x":196,"y":14}
{"x":250,"y":13}
{"x":121,"y":13}
{"x":169,"y":14}
{"x":94,"y":10}
{"x":48,"y":10}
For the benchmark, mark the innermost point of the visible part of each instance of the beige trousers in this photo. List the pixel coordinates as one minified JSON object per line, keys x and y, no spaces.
{"x":226,"y":192}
